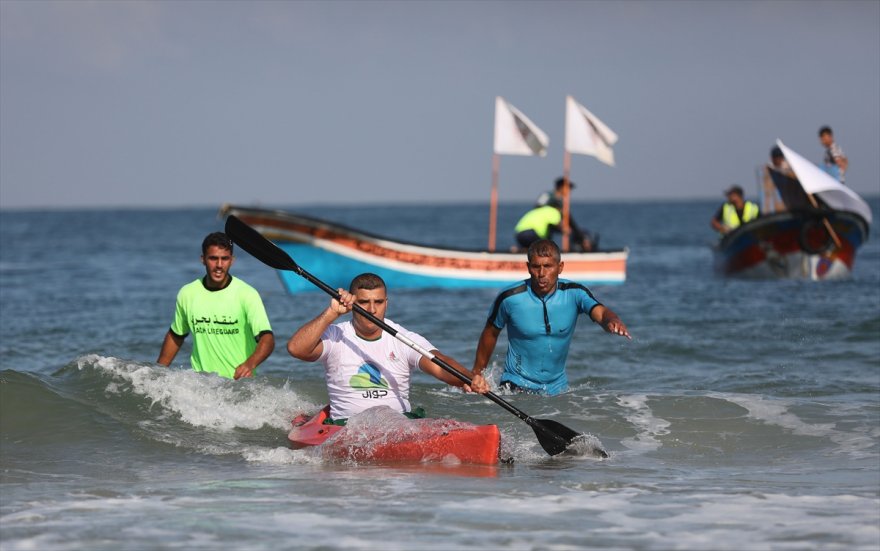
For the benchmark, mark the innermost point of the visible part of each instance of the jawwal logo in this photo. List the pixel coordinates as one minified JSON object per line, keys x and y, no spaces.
{"x":368,"y":377}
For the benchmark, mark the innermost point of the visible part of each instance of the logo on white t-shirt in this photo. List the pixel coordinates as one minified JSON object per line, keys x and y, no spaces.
{"x":368,"y":376}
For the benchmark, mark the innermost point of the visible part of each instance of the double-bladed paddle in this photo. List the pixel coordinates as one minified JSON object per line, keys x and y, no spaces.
{"x":554,"y":437}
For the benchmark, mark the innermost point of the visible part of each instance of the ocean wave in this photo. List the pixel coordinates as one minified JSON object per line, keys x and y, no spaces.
{"x":106,"y":401}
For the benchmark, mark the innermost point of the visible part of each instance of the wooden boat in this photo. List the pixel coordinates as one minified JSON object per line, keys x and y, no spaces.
{"x":792,"y":244}
{"x":398,"y":440}
{"x":811,"y":228}
{"x":335,"y":253}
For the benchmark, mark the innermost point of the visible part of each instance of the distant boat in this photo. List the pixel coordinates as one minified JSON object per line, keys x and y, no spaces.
{"x":336,"y":253}
{"x":811,"y":228}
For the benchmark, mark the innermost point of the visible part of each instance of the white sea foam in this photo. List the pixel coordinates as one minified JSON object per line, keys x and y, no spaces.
{"x":281,"y":456}
{"x":776,"y":411}
{"x":642,"y":418}
{"x":704,"y":520}
{"x":395,"y":510}
{"x":203,"y":400}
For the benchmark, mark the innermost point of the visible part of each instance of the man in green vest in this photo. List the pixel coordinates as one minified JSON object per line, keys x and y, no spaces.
{"x":734,"y":212}
{"x":581,"y":239}
{"x":538,"y":223}
{"x":545,"y":219}
{"x":231,"y":332}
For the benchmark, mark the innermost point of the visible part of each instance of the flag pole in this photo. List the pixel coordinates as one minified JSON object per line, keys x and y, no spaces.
{"x":493,"y":201}
{"x":828,"y":227}
{"x":566,"y":200}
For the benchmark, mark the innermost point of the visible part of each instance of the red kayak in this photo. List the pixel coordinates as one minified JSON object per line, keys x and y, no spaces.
{"x":381,"y":435}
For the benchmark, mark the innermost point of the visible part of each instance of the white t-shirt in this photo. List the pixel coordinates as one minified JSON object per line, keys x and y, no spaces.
{"x":361,"y":374}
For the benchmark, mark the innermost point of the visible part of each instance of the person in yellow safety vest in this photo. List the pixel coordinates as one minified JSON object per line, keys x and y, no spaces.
{"x":538,"y":223}
{"x":734,"y":212}
{"x":545,"y":219}
{"x":581,"y":239}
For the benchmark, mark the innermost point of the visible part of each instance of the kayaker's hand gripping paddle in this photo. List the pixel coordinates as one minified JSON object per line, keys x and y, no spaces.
{"x":554,"y":437}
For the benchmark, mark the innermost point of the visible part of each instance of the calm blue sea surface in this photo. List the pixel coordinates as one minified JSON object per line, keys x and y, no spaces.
{"x":742,"y":415}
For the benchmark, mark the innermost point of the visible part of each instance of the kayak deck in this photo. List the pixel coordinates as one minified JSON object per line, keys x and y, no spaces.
{"x":381,"y":435}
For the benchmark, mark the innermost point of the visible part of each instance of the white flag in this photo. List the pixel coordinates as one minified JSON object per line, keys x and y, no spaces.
{"x":515,"y":134}
{"x":818,"y":182}
{"x":586,"y":134}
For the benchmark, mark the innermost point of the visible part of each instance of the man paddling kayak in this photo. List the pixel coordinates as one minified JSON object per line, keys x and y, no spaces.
{"x":365,"y":366}
{"x":540,"y":314}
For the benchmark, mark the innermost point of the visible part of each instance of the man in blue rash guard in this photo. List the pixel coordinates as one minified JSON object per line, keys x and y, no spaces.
{"x":540,"y":315}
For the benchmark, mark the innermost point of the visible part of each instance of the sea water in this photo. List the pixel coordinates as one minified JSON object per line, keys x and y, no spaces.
{"x":742,"y":415}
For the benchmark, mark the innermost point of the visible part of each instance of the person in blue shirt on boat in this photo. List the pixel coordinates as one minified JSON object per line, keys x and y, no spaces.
{"x":540,"y":315}
{"x":735,"y":212}
{"x":835,"y":162}
{"x":364,"y":366}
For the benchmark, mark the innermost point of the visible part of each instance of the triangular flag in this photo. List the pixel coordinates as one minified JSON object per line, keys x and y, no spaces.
{"x":585,"y":134}
{"x":818,"y":182}
{"x":515,"y":134}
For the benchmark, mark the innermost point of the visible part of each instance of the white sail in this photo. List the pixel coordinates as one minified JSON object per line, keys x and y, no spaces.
{"x":818,"y":182}
{"x":585,"y":134}
{"x":515,"y":134}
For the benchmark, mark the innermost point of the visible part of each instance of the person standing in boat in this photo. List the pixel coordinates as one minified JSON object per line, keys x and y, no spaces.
{"x":734,"y":212}
{"x":364,"y":366}
{"x":835,"y":162}
{"x":540,"y":314}
{"x":231,"y":331}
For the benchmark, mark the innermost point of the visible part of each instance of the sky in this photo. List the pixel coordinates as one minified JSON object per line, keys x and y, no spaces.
{"x":200,"y":103}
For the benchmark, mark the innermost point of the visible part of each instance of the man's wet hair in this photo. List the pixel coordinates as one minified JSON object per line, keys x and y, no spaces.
{"x":367,"y":281}
{"x":544,"y":247}
{"x":826,"y":130}
{"x":217,"y":239}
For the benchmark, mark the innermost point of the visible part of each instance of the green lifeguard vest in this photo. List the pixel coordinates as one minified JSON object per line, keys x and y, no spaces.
{"x":539,"y":219}
{"x":731,"y":219}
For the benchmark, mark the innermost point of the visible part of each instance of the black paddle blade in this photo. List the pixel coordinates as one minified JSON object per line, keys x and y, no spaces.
{"x":258,"y":246}
{"x":556,"y":438}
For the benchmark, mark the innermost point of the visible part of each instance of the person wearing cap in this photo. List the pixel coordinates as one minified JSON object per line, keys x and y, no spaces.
{"x":545,"y":219}
{"x":734,"y":212}
{"x":231,"y":332}
{"x":835,"y":162}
